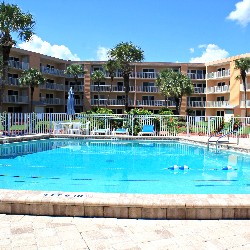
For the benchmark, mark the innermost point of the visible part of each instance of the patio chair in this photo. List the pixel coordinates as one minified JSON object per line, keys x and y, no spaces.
{"x":58,"y":128}
{"x":120,"y":131}
{"x":100,"y":131}
{"x":75,"y":128}
{"x":147,"y":130}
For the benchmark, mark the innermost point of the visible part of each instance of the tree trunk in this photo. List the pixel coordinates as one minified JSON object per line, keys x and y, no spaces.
{"x":98,"y":94}
{"x":31,"y":99}
{"x":5,"y":54}
{"x":126,"y":89}
{"x":177,"y":106}
{"x":243,"y":76}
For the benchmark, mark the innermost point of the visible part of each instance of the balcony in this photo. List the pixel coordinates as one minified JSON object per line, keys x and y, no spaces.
{"x":199,"y":90}
{"x":16,"y":99}
{"x":242,"y":87}
{"x":52,"y":71}
{"x":148,"y":89}
{"x":106,"y":88}
{"x":217,"y":104}
{"x":76,"y":88}
{"x":218,"y":74}
{"x":52,"y":101}
{"x":110,"y":102}
{"x":242,"y":104}
{"x":196,"y":104}
{"x":52,"y":86}
{"x":78,"y":102}
{"x":218,"y":89}
{"x":147,"y":75}
{"x":18,"y":65}
{"x":195,"y":76}
{"x":13,"y":81}
{"x":155,"y":103}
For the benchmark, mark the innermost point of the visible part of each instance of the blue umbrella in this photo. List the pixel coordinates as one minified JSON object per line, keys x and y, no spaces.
{"x":71,"y":103}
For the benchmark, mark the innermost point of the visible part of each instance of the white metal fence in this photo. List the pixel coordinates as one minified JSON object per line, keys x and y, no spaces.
{"x":13,"y":124}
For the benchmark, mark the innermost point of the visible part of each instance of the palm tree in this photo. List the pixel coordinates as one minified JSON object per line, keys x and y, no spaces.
{"x":111,"y":68}
{"x":98,"y":76}
{"x":31,"y":78}
{"x":124,"y":54}
{"x":76,"y":70}
{"x":176,"y":85}
{"x":12,"y":20}
{"x":243,"y":64}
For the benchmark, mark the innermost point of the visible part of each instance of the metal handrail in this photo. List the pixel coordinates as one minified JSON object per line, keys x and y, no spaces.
{"x":224,"y":135}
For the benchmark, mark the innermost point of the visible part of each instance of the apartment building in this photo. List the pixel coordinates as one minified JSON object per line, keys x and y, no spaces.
{"x":216,"y":89}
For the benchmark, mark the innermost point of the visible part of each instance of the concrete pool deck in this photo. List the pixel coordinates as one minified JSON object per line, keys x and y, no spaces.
{"x":133,"y":206}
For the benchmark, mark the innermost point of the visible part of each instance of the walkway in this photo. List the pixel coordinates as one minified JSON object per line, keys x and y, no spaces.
{"x":43,"y":232}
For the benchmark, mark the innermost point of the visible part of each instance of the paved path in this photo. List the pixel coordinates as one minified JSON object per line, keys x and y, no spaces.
{"x":44,"y":232}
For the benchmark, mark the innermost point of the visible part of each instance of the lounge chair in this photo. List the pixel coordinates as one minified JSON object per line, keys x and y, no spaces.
{"x":147,"y":130}
{"x":120,"y":131}
{"x":100,"y":131}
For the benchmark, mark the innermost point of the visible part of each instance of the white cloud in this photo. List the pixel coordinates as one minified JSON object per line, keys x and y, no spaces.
{"x":36,"y":44}
{"x":102,"y":53}
{"x":191,"y":50}
{"x":242,"y":13}
{"x":211,"y":52}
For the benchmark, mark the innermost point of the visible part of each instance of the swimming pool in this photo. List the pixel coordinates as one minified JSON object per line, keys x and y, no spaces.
{"x":143,"y":167}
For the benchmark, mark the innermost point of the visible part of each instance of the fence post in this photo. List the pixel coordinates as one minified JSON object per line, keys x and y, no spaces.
{"x":208,"y":126}
{"x":187,"y":122}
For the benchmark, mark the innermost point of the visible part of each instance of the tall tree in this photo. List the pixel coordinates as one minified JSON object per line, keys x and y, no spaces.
{"x":31,"y":78}
{"x":176,"y":85}
{"x":111,"y":68}
{"x":76,"y":70}
{"x":126,"y":53}
{"x":98,"y":76}
{"x":12,"y":21}
{"x":243,"y":64}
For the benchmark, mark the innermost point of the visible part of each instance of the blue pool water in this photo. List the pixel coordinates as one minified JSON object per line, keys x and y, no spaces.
{"x":145,"y":167}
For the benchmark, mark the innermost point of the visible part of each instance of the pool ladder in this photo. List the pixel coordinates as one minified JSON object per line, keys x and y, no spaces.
{"x":217,"y":139}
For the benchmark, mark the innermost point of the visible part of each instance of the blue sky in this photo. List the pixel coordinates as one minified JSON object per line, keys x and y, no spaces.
{"x":167,"y":30}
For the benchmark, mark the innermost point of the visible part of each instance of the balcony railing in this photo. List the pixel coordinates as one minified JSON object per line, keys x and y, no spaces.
{"x":18,"y":65}
{"x":242,"y":104}
{"x":218,"y":74}
{"x":196,"y":104}
{"x":147,"y":75}
{"x":13,"y":81}
{"x":52,"y":86}
{"x":76,"y":88}
{"x":16,"y":99}
{"x":242,"y":87}
{"x":106,"y":88}
{"x":218,"y":89}
{"x":148,"y":89}
{"x":155,"y":103}
{"x":217,"y":104}
{"x":110,"y":102}
{"x":52,"y":101}
{"x":195,"y":76}
{"x":52,"y":71}
{"x":78,"y":102}
{"x":199,"y":90}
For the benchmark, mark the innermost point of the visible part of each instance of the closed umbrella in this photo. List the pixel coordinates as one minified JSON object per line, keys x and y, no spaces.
{"x":70,"y":104}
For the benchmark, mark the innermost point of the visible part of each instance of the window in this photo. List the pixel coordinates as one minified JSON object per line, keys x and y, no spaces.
{"x":13,"y":92}
{"x":148,"y":98}
{"x":120,"y":97}
{"x":49,"y":96}
{"x":220,"y":98}
{"x":100,"y":83}
{"x":15,"y":109}
{"x":49,"y":110}
{"x":221,"y":84}
{"x":120,"y":86}
{"x":220,"y":113}
{"x":97,"y":67}
{"x":220,"y":69}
